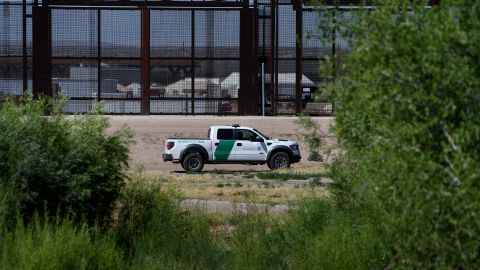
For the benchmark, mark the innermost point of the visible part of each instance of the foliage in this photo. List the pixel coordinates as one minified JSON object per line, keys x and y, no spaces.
{"x":317,"y":235}
{"x":157,"y":234}
{"x":151,"y":231}
{"x":58,"y":244}
{"x":284,"y":176}
{"x":311,"y":136}
{"x":59,"y":164}
{"x":407,"y":116}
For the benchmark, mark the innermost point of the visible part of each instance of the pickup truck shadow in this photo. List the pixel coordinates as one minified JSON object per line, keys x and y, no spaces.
{"x":220,"y":172}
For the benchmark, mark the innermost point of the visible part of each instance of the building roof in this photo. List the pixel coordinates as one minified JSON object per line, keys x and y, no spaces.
{"x":233,"y":80}
{"x":186,"y":83}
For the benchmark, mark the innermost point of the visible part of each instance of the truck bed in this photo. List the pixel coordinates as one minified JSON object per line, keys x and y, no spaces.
{"x":204,"y":139}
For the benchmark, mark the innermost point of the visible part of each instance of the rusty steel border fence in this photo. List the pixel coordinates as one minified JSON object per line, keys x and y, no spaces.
{"x":231,"y":57}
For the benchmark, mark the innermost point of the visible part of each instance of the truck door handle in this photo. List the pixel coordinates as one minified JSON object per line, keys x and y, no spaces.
{"x":239,"y":144}
{"x":216,"y":144}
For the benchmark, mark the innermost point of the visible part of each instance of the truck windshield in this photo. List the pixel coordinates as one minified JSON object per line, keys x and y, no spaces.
{"x":261,"y":134}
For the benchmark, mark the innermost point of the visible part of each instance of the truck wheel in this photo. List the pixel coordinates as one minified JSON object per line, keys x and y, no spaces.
{"x":193,"y":162}
{"x":279,"y":160}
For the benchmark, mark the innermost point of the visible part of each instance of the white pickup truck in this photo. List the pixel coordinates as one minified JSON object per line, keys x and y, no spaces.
{"x":231,"y":144}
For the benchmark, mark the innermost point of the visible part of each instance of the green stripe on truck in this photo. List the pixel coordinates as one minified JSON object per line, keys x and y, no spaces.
{"x":222,"y":152}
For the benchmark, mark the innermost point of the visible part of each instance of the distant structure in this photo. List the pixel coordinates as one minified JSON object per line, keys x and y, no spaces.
{"x":225,"y":57}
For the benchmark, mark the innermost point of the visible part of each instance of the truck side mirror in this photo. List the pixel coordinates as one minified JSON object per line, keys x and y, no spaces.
{"x":259,"y":139}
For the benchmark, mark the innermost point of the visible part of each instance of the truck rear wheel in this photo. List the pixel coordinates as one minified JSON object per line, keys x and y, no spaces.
{"x":279,"y":160}
{"x":193,"y":162}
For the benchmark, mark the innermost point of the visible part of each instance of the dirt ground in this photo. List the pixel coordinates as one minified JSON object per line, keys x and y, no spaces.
{"x":151,"y":131}
{"x":230,"y":192}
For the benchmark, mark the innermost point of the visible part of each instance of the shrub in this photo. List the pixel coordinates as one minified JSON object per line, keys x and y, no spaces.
{"x":407,"y":116}
{"x":157,"y":234}
{"x":8,"y":206}
{"x":317,"y":235}
{"x":311,"y":136}
{"x":60,"y":164}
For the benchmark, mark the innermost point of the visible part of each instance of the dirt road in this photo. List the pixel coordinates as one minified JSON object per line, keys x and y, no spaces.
{"x":151,"y":131}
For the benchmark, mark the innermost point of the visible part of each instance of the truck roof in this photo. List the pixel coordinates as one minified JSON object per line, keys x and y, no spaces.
{"x":230,"y":126}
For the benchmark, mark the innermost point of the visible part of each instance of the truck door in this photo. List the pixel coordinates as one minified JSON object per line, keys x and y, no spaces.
{"x":247,"y":148}
{"x":223,"y":145}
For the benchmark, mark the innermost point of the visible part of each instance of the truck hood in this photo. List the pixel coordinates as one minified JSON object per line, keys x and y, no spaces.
{"x":281,"y":141}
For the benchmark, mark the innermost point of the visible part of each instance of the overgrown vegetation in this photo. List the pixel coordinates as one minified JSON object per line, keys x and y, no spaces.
{"x":284,"y":176}
{"x":406,"y":188}
{"x":311,"y":137}
{"x":407,"y":118}
{"x":151,"y":231}
{"x":147,"y":229}
{"x":59,"y":244}
{"x":58,"y":165}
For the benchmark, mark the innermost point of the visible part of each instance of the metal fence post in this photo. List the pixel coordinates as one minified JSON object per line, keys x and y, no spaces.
{"x":24,"y":47}
{"x":145,"y":61}
{"x":273,"y":98}
{"x":192,"y":95}
{"x":42,"y":60}
{"x":99,"y":55}
{"x":248,"y":95}
{"x":299,"y":57}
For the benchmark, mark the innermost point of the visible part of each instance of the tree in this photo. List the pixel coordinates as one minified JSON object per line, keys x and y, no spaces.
{"x":408,"y":118}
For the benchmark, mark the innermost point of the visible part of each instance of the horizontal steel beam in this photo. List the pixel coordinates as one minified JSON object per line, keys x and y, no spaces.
{"x":355,"y":2}
{"x":142,"y":3}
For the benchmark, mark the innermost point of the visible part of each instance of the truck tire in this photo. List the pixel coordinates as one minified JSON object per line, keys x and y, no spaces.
{"x":279,"y":160}
{"x":193,"y":162}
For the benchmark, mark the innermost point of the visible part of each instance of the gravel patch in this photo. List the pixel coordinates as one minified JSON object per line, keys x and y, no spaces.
{"x":227,"y":207}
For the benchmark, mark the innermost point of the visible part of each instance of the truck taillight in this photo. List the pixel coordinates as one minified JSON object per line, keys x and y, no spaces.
{"x":170,"y":145}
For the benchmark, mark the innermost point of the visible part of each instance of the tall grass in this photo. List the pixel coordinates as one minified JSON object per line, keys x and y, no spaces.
{"x":285,"y":175}
{"x":59,"y":244}
{"x":156,"y":232}
{"x":151,"y":231}
{"x":318,"y":235}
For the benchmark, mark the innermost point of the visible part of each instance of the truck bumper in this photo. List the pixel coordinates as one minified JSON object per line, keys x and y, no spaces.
{"x":296,"y":158}
{"x":167,"y":157}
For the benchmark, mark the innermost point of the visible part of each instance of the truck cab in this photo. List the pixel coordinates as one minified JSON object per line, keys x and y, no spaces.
{"x":231,"y":144}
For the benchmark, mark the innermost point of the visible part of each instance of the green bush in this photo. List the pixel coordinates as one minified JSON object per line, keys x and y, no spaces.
{"x":56,"y":244}
{"x":158,"y":234}
{"x":8,"y":206}
{"x":59,"y":164}
{"x":408,"y":119}
{"x":317,"y":235}
{"x":311,"y":136}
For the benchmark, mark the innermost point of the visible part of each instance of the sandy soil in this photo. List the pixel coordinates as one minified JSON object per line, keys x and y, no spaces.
{"x":151,"y":131}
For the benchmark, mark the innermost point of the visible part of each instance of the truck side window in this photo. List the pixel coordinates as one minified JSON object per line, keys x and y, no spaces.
{"x":225,"y":134}
{"x":245,"y":135}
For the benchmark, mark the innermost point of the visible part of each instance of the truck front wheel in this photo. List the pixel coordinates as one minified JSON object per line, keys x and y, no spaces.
{"x":279,"y":160}
{"x":193,"y":162}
